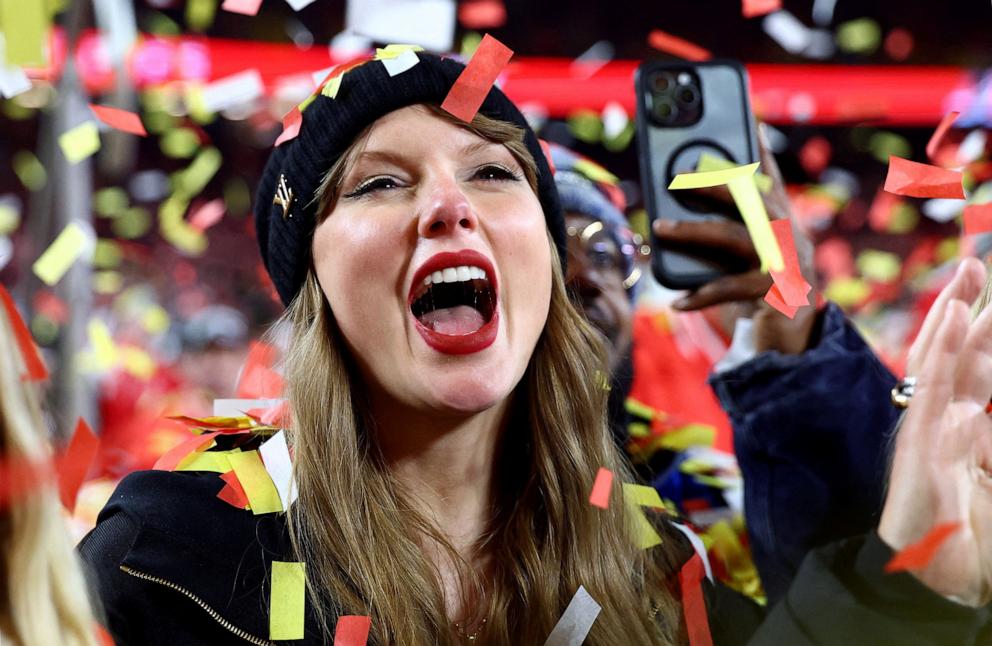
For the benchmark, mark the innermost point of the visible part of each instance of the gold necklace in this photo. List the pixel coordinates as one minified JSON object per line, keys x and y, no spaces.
{"x":460,"y":631}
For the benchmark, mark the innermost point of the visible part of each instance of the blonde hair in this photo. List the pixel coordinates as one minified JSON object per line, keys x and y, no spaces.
{"x":360,"y":534}
{"x":44,"y":597}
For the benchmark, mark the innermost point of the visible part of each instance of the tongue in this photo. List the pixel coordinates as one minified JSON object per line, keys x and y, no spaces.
{"x":454,"y":321}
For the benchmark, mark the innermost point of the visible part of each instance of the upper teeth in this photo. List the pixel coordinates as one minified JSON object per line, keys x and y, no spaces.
{"x":455,"y":274}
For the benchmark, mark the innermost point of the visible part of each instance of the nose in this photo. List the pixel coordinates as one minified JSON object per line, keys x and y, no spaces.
{"x":447,"y":210}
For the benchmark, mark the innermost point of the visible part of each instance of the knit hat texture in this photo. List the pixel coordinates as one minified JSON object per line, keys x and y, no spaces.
{"x":330,"y":125}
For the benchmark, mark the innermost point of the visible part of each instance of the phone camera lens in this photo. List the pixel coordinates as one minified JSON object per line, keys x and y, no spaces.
{"x":662,"y":81}
{"x":664,"y":108}
{"x":688,"y":96}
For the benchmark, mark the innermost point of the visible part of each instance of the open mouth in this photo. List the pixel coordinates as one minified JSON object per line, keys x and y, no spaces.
{"x":454,"y":302}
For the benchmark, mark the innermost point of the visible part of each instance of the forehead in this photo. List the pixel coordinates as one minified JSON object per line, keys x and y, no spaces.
{"x":416,"y":126}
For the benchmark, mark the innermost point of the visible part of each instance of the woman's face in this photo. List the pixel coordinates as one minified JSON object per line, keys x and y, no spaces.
{"x":436,"y":263}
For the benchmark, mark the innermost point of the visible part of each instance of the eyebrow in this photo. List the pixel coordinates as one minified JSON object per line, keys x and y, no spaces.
{"x":390,"y":156}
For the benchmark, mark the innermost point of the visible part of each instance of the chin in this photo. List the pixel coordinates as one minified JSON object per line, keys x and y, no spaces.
{"x":467,"y":395}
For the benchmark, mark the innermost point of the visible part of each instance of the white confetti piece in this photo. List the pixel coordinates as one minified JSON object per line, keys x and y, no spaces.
{"x":576,"y":621}
{"x":234,"y":90}
{"x":401,"y":63}
{"x":275,"y":455}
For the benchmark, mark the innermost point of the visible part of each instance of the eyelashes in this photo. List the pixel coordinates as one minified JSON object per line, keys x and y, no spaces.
{"x":485,"y":173}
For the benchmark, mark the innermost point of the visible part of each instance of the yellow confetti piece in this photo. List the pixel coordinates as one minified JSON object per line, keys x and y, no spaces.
{"x":595,"y":172}
{"x":689,"y":435}
{"x":847,"y":292}
{"x":330,"y":89}
{"x":193,"y":455}
{"x":262,"y":493}
{"x":287,"y":600}
{"x":392,"y":51}
{"x":138,"y":362}
{"x":213,"y":461}
{"x":639,"y":430}
{"x":637,"y":496}
{"x":29,"y":170}
{"x":80,"y":142}
{"x":10,"y":219}
{"x":69,"y":246}
{"x":107,"y":282}
{"x":708,"y":162}
{"x":642,"y":495}
{"x":639,"y":409}
{"x":881,"y":266}
{"x":25,"y":28}
{"x":155,"y":320}
{"x":740,"y":181}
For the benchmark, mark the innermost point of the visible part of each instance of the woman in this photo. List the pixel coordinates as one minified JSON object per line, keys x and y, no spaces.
{"x":448,"y":418}
{"x":43,"y":599}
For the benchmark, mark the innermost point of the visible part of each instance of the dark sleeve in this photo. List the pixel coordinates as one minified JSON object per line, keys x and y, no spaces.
{"x":841,"y":595}
{"x":811,"y":434}
{"x":102,"y":551}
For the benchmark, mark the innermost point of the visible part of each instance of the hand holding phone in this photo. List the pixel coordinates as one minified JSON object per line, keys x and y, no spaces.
{"x":699,"y":241}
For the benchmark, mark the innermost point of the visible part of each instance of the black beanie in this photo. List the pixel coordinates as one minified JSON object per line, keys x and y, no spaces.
{"x":330,"y":125}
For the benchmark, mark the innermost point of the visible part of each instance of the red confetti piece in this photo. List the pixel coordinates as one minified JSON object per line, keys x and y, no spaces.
{"x":693,"y":604}
{"x":918,"y":555}
{"x":277,"y":415}
{"x":75,"y":463}
{"x":774,"y":298}
{"x":600,"y":496}
{"x":755,"y":8}
{"x":352,"y":630}
{"x":792,"y":287}
{"x":815,"y":155}
{"x":244,"y":7}
{"x":233,"y":493}
{"x":677,"y":46}
{"x":207,"y":215}
{"x":258,"y":379}
{"x":102,"y":635}
{"x":176,"y":454}
{"x":471,"y":87}
{"x":914,"y":179}
{"x":20,"y":477}
{"x":51,"y":307}
{"x":291,"y":124}
{"x":938,"y":134}
{"x":546,"y":149}
{"x":36,"y":370}
{"x":882,"y":210}
{"x":977,"y":218}
{"x":119,"y":119}
{"x":482,"y":14}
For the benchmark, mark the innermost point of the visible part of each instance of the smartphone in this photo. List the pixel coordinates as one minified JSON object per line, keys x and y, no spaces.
{"x":686,"y":110}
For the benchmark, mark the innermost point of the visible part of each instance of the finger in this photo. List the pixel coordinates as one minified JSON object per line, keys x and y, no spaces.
{"x":720,"y":194}
{"x":724,"y":235}
{"x":935,"y":383}
{"x":738,"y":287}
{"x":966,"y":285}
{"x":974,"y":375}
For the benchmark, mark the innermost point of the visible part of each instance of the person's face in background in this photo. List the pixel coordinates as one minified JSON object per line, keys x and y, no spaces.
{"x":595,"y":278}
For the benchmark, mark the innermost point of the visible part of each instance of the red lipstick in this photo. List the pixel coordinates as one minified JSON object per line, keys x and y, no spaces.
{"x":463,"y":343}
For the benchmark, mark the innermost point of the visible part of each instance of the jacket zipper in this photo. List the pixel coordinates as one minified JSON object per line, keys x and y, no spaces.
{"x":248,"y":637}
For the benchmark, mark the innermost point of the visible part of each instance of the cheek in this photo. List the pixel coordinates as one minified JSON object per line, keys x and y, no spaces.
{"x":355,"y":275}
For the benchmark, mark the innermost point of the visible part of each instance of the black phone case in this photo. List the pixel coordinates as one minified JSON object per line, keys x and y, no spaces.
{"x":725,"y":129}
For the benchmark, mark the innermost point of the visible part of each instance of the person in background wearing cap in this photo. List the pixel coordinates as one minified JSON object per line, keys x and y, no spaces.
{"x":448,"y":425}
{"x":797,"y":501}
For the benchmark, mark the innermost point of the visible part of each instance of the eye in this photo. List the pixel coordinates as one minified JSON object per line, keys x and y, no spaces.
{"x":373,"y":184}
{"x":495,"y":173}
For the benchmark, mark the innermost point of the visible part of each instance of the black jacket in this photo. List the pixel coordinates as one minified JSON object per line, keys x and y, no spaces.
{"x":174,"y":565}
